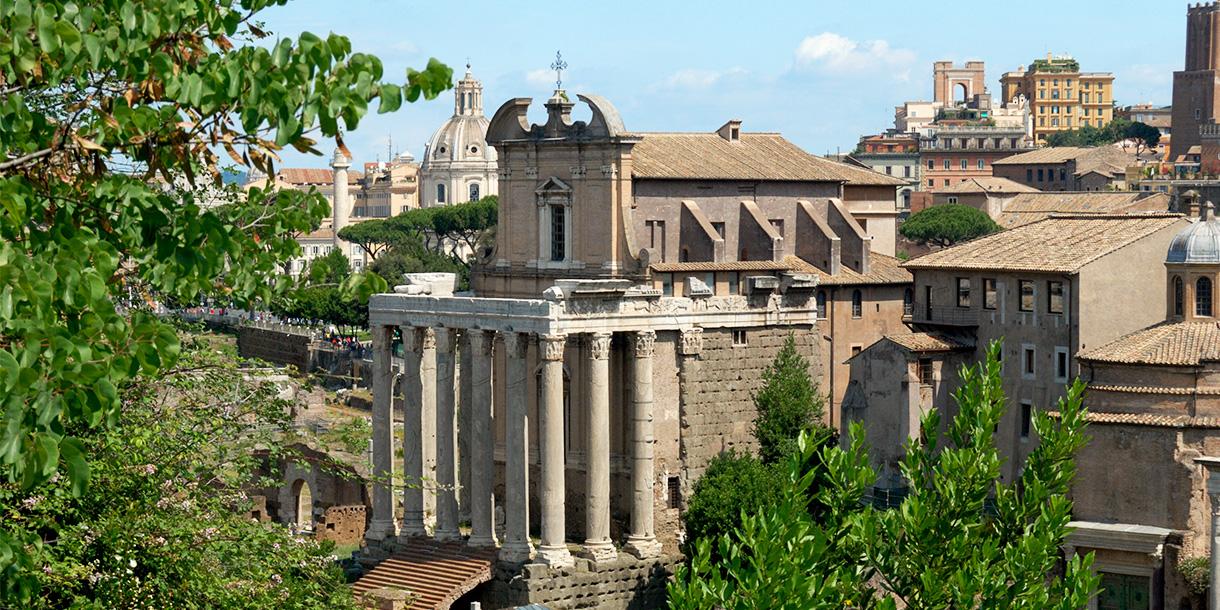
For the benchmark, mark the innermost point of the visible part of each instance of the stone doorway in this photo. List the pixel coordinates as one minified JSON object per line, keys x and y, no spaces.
{"x":1123,"y":592}
{"x":303,"y":506}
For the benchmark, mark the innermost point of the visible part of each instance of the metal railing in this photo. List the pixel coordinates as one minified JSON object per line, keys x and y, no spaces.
{"x":950,"y":316}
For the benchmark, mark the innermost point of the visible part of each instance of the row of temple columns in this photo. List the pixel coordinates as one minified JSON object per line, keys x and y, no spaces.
{"x":430,"y":442}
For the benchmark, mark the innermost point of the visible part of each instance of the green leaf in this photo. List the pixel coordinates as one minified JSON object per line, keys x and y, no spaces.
{"x":78,"y":467}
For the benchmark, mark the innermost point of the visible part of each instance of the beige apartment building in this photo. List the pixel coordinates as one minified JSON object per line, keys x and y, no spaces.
{"x":1060,"y":96}
{"x":1046,"y":288}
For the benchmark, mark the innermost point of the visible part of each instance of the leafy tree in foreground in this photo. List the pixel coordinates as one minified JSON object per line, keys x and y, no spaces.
{"x":948,"y":224}
{"x":108,"y":110}
{"x":162,"y":526}
{"x":788,"y":404}
{"x":961,"y":539}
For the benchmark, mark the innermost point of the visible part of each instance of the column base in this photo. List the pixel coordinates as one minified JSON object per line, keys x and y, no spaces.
{"x":380,"y":530}
{"x":599,"y":552}
{"x":412,"y":530}
{"x":554,"y":556}
{"x":447,"y":535}
{"x":481,"y":540}
{"x":516,"y":552}
{"x":643,"y":548}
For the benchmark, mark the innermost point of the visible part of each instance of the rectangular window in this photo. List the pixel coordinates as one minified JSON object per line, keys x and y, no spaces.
{"x":889,"y":170}
{"x":856,"y":349}
{"x":964,"y":164}
{"x":963,"y":292}
{"x":734,"y":280}
{"x":1063,"y":174}
{"x":931,"y":164}
{"x":656,"y":237}
{"x":674,"y":487}
{"x":946,"y":182}
{"x":931,"y":183}
{"x":989,"y":293}
{"x":927,"y":302}
{"x":1061,"y":364}
{"x":1041,"y":175}
{"x":906,"y":171}
{"x":947,"y":165}
{"x":558,"y":234}
{"x":1027,"y":412}
{"x":980,"y":164}
{"x":925,"y":371}
{"x":953,"y":200}
{"x":1029,"y":174}
{"x":1028,"y":362}
{"x":1027,"y":295}
{"x":1054,"y":297}
{"x":739,"y":338}
{"x":719,"y":228}
{"x":667,"y":284}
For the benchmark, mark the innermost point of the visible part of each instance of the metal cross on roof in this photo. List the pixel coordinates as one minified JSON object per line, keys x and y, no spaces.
{"x":559,"y":66}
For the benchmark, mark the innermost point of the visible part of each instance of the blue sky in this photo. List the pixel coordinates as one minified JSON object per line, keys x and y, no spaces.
{"x":821,"y":72}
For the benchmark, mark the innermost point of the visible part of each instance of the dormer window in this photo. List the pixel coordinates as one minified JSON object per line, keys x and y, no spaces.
{"x":734,"y":134}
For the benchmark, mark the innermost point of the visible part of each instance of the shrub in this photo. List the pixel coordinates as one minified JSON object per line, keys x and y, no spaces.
{"x":788,"y":403}
{"x":733,"y":484}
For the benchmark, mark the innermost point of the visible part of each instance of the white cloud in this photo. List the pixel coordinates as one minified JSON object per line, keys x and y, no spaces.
{"x":839,"y":54}
{"x":694,"y":78}
{"x":541,"y":78}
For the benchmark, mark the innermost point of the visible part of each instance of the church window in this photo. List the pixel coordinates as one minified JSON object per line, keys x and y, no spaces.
{"x":1203,"y":297}
{"x":440,"y":192}
{"x":1054,"y":297}
{"x":474,"y":191}
{"x":558,"y":233}
{"x":857,"y":303}
{"x":1179,"y":296}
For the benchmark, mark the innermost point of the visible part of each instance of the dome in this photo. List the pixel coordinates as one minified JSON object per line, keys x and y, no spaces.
{"x":1199,"y":243}
{"x":462,"y":138}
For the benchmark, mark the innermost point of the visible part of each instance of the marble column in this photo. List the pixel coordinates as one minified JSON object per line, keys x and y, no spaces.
{"x":641,"y":538}
{"x":412,"y":434}
{"x":516,"y":547}
{"x":482,"y":440}
{"x":382,"y":523}
{"x":463,"y":424}
{"x":427,"y":394}
{"x":553,"y":549}
{"x":597,"y":452}
{"x":1211,"y":467}
{"x":446,"y":438}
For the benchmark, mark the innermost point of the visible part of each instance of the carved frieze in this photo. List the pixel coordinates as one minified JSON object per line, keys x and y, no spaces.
{"x":692,"y":341}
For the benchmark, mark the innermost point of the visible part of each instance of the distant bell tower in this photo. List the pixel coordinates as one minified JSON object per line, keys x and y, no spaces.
{"x":468,"y":96}
{"x":1195,"y":99}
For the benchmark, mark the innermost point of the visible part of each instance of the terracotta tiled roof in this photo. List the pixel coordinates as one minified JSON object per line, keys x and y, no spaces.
{"x":755,"y":156}
{"x":1169,"y":343}
{"x":1150,"y":389}
{"x":695,"y":266}
{"x":437,"y":574}
{"x":988,"y":185}
{"x":308,"y":175}
{"x":322,"y":233}
{"x":1058,"y":244}
{"x":1031,"y":207}
{"x":1148,"y":419}
{"x":1062,"y":154}
{"x":930,"y":342}
{"x":882,"y":269}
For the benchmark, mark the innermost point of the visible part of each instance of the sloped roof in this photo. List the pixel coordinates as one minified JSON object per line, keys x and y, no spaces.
{"x":1168,"y":343}
{"x":754,"y":156}
{"x":882,"y":270}
{"x":309,"y":175}
{"x":1058,"y":244}
{"x":988,"y":184}
{"x":1037,"y":205}
{"x":929,"y":342}
{"x":1147,"y":419}
{"x":1083,"y":155}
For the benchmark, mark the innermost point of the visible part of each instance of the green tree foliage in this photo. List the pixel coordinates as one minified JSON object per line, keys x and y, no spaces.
{"x":107,"y":111}
{"x":1114,"y":131}
{"x":162,"y":526}
{"x":733,"y":484}
{"x":373,"y":236}
{"x":788,"y":404}
{"x":469,"y":224}
{"x":322,"y":293}
{"x":961,"y":538}
{"x":413,"y":257}
{"x":948,"y":224}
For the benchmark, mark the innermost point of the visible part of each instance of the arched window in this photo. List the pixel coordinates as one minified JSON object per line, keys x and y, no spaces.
{"x":440,"y":193}
{"x":474,"y":191}
{"x":821,"y":304}
{"x":1179,"y":297}
{"x":1203,"y":297}
{"x":857,"y":303}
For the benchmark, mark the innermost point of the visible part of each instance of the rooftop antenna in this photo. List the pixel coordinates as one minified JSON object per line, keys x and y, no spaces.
{"x":559,"y":65}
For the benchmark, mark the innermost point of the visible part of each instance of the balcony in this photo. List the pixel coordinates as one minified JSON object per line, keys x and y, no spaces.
{"x":921,"y":313}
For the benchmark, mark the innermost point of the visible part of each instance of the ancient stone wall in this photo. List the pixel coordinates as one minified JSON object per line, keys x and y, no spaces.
{"x":274,"y":346}
{"x":342,"y":524}
{"x":717,"y":389}
{"x":626,"y":583}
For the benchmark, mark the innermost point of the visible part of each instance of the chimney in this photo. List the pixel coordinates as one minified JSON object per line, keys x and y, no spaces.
{"x":730,"y":131}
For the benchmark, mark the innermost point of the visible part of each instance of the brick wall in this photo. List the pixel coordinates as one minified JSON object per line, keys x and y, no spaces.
{"x":274,"y":346}
{"x":342,"y":524}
